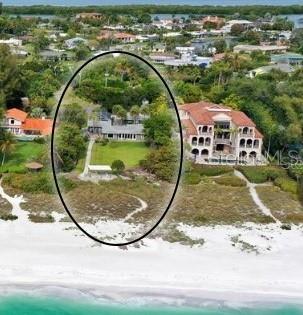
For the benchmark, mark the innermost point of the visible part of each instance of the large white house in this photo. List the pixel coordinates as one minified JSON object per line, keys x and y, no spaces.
{"x":218,"y":134}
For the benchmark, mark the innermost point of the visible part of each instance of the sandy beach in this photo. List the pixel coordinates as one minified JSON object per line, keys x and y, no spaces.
{"x":248,"y":263}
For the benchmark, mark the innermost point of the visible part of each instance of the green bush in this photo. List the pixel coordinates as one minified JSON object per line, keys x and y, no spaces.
{"x":286,"y":184}
{"x":191,"y":178}
{"x":118,"y":166}
{"x":230,"y":180}
{"x":211,"y":170}
{"x":8,"y":217}
{"x":48,"y":218}
{"x":261,"y":174}
{"x":31,"y":183}
{"x":40,"y":140}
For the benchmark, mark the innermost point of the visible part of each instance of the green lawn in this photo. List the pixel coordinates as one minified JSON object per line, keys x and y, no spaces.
{"x":23,"y":153}
{"x":130,"y":152}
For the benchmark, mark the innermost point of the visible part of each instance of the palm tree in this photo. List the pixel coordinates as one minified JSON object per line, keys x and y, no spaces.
{"x":7,"y":144}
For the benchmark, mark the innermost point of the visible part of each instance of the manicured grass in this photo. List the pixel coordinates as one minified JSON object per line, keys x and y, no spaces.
{"x":130,"y":152}
{"x":23,"y":153}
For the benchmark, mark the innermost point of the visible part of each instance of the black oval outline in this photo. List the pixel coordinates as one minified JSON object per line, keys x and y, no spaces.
{"x":181,"y":147}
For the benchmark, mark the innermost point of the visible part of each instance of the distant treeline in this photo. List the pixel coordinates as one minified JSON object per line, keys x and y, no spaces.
{"x":253,"y":10}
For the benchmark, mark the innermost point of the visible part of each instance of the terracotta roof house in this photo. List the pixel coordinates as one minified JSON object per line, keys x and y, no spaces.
{"x":213,"y":21}
{"x":218,"y":134}
{"x":17,"y":122}
{"x":119,"y":36}
{"x":89,"y":15}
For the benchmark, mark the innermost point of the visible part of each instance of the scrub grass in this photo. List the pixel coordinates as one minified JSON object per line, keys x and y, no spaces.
{"x":130,"y":152}
{"x":283,"y":205}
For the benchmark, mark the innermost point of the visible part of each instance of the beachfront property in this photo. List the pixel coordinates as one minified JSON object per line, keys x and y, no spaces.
{"x":109,"y":126}
{"x":218,"y":134}
{"x":17,"y":122}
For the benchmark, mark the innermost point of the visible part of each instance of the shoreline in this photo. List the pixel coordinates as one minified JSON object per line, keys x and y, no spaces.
{"x":147,"y":297}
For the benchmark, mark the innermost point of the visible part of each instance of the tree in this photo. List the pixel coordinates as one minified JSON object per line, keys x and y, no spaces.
{"x":118,"y":166}
{"x":7,"y":144}
{"x":237,"y":29}
{"x":37,"y":112}
{"x":9,"y":75}
{"x":69,"y":145}
{"x":81,"y":52}
{"x":158,"y":129}
{"x":135,"y":111}
{"x":74,"y":114}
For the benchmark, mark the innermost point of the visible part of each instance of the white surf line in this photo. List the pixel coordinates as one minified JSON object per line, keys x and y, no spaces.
{"x":88,"y":157}
{"x":15,"y":202}
{"x":143,"y":206}
{"x":255,"y":196}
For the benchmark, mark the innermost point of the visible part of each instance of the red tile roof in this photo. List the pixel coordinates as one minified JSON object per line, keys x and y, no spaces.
{"x":258,"y":134}
{"x":189,"y":127}
{"x":204,"y":113}
{"x":44,"y":126}
{"x":16,"y":114}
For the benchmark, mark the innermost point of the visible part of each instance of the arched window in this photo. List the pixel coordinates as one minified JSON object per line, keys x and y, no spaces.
{"x":204,"y":152}
{"x":242,"y":154}
{"x":194,"y":141}
{"x":207,"y":141}
{"x":210,"y":129}
{"x":195,"y":151}
{"x":249,"y":143}
{"x":245,"y":130}
{"x":204,"y":129}
{"x":242,"y":143}
{"x":201,"y":141}
{"x":256,"y":143}
{"x":252,"y":155}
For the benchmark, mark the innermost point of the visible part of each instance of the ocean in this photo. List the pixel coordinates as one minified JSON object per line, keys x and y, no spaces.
{"x":29,"y":305}
{"x":159,"y":2}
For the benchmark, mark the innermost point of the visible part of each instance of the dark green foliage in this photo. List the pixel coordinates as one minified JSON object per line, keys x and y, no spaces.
{"x":118,"y":166}
{"x":163,"y":162}
{"x":8,"y":217}
{"x":69,"y":146}
{"x":74,"y":114}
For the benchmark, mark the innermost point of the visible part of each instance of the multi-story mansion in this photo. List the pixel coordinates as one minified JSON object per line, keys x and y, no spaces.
{"x":218,"y":134}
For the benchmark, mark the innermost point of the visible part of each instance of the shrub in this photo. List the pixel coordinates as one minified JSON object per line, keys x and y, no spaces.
{"x":40,"y":140}
{"x":191,"y":178}
{"x":8,"y":217}
{"x":118,"y":166}
{"x":102,"y":141}
{"x":33,"y":183}
{"x":230,"y":180}
{"x":286,"y":184}
{"x":47,"y":218}
{"x":212,"y":170}
{"x":261,"y":174}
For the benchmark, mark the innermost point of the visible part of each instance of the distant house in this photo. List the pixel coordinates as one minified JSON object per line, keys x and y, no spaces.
{"x":89,"y":16}
{"x":263,"y":48}
{"x":54,"y":55}
{"x":218,"y":134}
{"x":111,"y":127}
{"x":189,"y":60}
{"x":119,"y":36}
{"x":286,"y":68}
{"x":290,"y":58}
{"x":161,"y":57}
{"x":17,"y":122}
{"x":12,"y":42}
{"x":75,"y":42}
{"x":212,"y":21}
